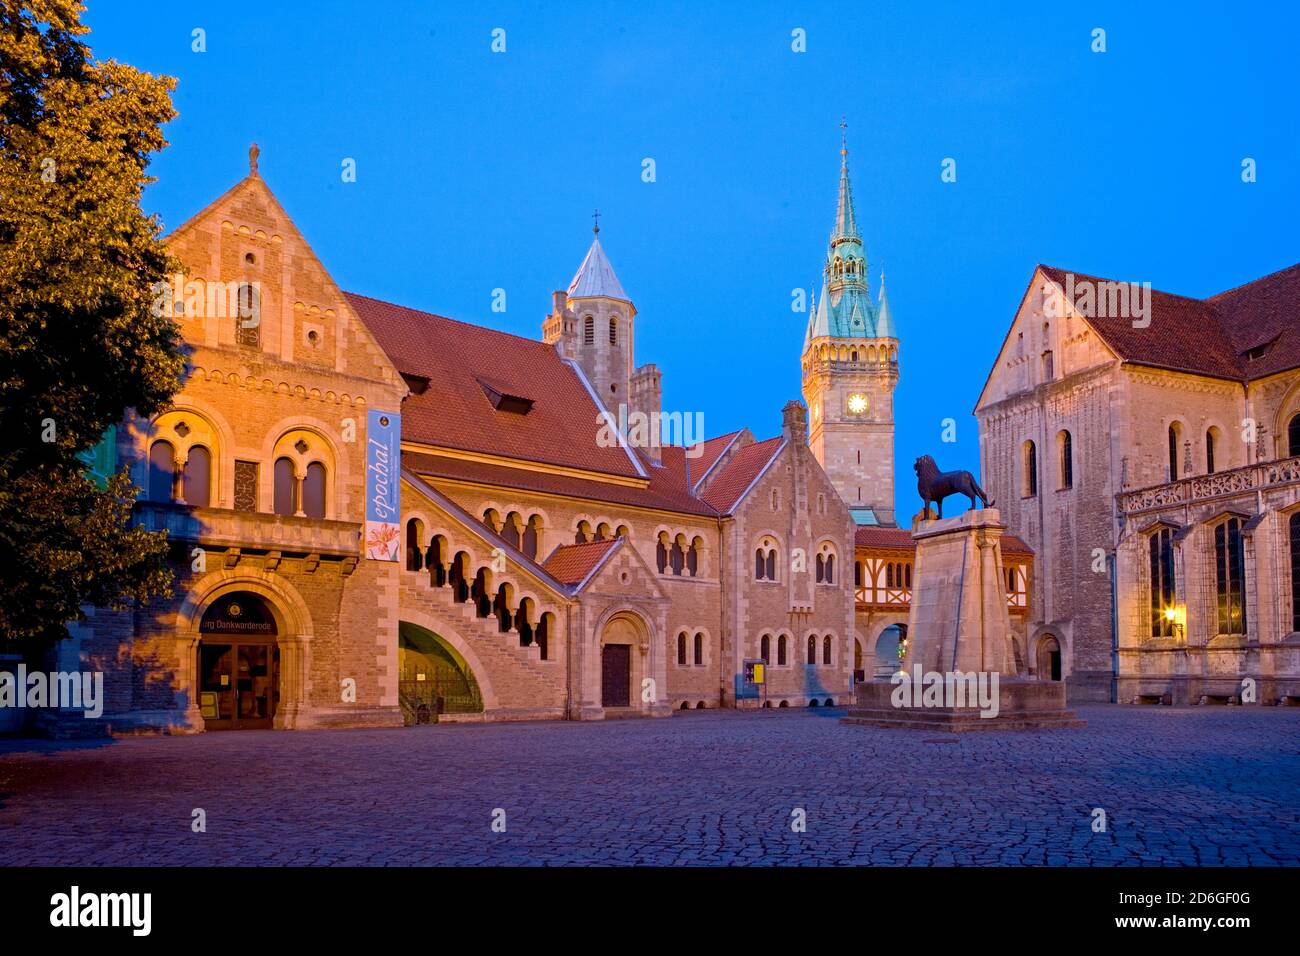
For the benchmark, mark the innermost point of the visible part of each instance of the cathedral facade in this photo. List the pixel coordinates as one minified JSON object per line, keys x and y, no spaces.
{"x":381,"y":516}
{"x":1147,"y":446}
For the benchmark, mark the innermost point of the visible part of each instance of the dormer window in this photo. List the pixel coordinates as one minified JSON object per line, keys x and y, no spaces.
{"x":418,"y":384}
{"x":503,"y":401}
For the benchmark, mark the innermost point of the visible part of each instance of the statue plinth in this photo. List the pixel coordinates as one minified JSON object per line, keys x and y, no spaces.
{"x":960,"y":670}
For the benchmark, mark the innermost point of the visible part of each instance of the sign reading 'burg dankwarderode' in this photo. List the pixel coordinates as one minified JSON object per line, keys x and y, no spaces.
{"x":383,"y":465}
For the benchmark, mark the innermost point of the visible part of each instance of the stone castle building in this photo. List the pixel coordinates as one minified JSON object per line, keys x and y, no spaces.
{"x":1151,"y":459}
{"x":379,"y":515}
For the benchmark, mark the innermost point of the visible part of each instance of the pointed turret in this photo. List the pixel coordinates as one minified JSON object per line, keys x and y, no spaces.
{"x":595,"y":278}
{"x":884,"y":318}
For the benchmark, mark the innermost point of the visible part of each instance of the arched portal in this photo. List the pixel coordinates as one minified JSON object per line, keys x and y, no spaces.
{"x":888,"y":644}
{"x":624,"y":646}
{"x":238,"y":663}
{"x":1049,"y":658}
{"x":433,"y":677}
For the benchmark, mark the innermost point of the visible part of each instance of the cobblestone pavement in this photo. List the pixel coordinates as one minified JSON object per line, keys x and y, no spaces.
{"x":1203,"y":786}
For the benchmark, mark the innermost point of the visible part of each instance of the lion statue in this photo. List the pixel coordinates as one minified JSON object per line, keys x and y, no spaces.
{"x":935,"y":485}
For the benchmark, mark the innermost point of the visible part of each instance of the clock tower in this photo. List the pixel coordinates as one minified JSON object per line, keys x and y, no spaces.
{"x":850,"y":368}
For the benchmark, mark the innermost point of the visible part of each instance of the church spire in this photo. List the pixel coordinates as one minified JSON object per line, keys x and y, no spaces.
{"x":846,"y":223}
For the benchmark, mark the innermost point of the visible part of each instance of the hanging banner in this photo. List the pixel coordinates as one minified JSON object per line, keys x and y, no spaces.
{"x":383,"y":471}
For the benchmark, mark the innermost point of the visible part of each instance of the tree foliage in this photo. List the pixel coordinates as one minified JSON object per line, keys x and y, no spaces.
{"x":79,"y":342}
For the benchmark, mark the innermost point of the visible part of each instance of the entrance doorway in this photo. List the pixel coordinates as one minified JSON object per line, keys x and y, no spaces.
{"x":1049,"y":659}
{"x":239,"y":664}
{"x":888,"y":647}
{"x":616,"y":675}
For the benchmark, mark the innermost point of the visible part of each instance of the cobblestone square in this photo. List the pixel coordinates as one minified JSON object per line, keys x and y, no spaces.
{"x":1204,"y":786}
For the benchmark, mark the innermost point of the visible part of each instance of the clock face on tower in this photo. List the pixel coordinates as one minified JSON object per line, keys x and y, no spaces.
{"x":857,"y":404}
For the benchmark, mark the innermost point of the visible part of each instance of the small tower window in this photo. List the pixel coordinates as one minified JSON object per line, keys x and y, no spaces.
{"x":613,"y":331}
{"x":589,"y":331}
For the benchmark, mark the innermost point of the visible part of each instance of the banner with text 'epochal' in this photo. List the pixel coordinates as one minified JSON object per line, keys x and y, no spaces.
{"x":383,"y":480}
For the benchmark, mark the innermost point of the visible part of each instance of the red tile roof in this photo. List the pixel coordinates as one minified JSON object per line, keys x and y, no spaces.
{"x":571,"y":563}
{"x":725,"y":489}
{"x":455,"y":412}
{"x":665,"y":491}
{"x":1210,"y":336}
{"x":877,"y":538}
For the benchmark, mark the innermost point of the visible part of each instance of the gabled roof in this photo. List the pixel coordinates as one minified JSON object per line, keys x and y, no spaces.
{"x":1209,"y":336}
{"x":595,"y":277}
{"x":573,"y":564}
{"x":560,"y":426}
{"x":738,"y":474}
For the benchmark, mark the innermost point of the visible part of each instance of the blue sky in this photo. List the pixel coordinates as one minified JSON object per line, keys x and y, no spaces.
{"x":478,"y":170}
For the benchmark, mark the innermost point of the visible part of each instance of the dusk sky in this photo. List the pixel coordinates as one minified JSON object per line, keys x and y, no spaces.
{"x":479,"y":170}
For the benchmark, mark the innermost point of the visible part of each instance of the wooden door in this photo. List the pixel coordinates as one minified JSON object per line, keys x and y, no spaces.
{"x":616,"y":675}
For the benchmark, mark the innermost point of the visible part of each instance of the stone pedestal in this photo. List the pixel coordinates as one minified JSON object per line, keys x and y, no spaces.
{"x":960,"y":665}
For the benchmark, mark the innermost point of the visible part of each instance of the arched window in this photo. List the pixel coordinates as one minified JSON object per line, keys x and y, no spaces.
{"x":532,"y":534}
{"x":313,"y":491}
{"x":827,"y":643}
{"x":1295,"y":571}
{"x":285,"y":484}
{"x":681,"y":649}
{"x":1210,"y":434}
{"x":661,"y":554}
{"x":162,"y":471}
{"x":1161,"y":595}
{"x":780,"y":651}
{"x":1230,"y":576}
{"x":830,"y":569}
{"x":1293,"y":437}
{"x":699,"y":650}
{"x":765,"y":648}
{"x":197,"y":488}
{"x":812,"y":649}
{"x":1173,"y":451}
{"x":693,"y":556}
{"x":821,"y":569}
{"x":1030,"y":483}
{"x":771,"y":565}
{"x":677,"y":556}
{"x":589,"y":331}
{"x":1067,"y":460}
{"x":414,"y":536}
{"x":613,"y":331}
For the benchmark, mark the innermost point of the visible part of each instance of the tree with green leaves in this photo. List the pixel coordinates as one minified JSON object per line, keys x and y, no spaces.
{"x":80,"y":343}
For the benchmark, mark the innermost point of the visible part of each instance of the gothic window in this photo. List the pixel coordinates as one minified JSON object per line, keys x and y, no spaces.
{"x":198,"y":477}
{"x":1295,"y":571}
{"x":1031,"y":470}
{"x":1230,"y":576}
{"x":780,"y":651}
{"x":613,"y":331}
{"x":162,"y":471}
{"x":246,"y":473}
{"x":284,"y":487}
{"x":1173,"y":451}
{"x":313,"y":491}
{"x":699,"y":650}
{"x":827,"y":644}
{"x":765,"y":648}
{"x":1293,"y":437}
{"x":765,"y":561}
{"x":1161,"y":594}
{"x":248,"y":317}
{"x":1209,"y":451}
{"x":812,"y":650}
{"x":1067,"y":459}
{"x":681,"y":649}
{"x":589,"y":331}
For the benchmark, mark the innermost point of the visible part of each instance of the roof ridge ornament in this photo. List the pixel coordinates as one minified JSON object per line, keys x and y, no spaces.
{"x":253,"y":153}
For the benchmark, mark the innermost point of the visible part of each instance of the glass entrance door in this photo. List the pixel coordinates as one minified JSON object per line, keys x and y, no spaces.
{"x":239,"y":684}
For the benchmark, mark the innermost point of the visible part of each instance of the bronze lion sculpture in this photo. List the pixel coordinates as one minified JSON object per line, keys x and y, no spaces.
{"x":935,"y":485}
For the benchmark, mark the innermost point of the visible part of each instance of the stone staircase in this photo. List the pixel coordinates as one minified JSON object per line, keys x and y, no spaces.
{"x":509,"y":666}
